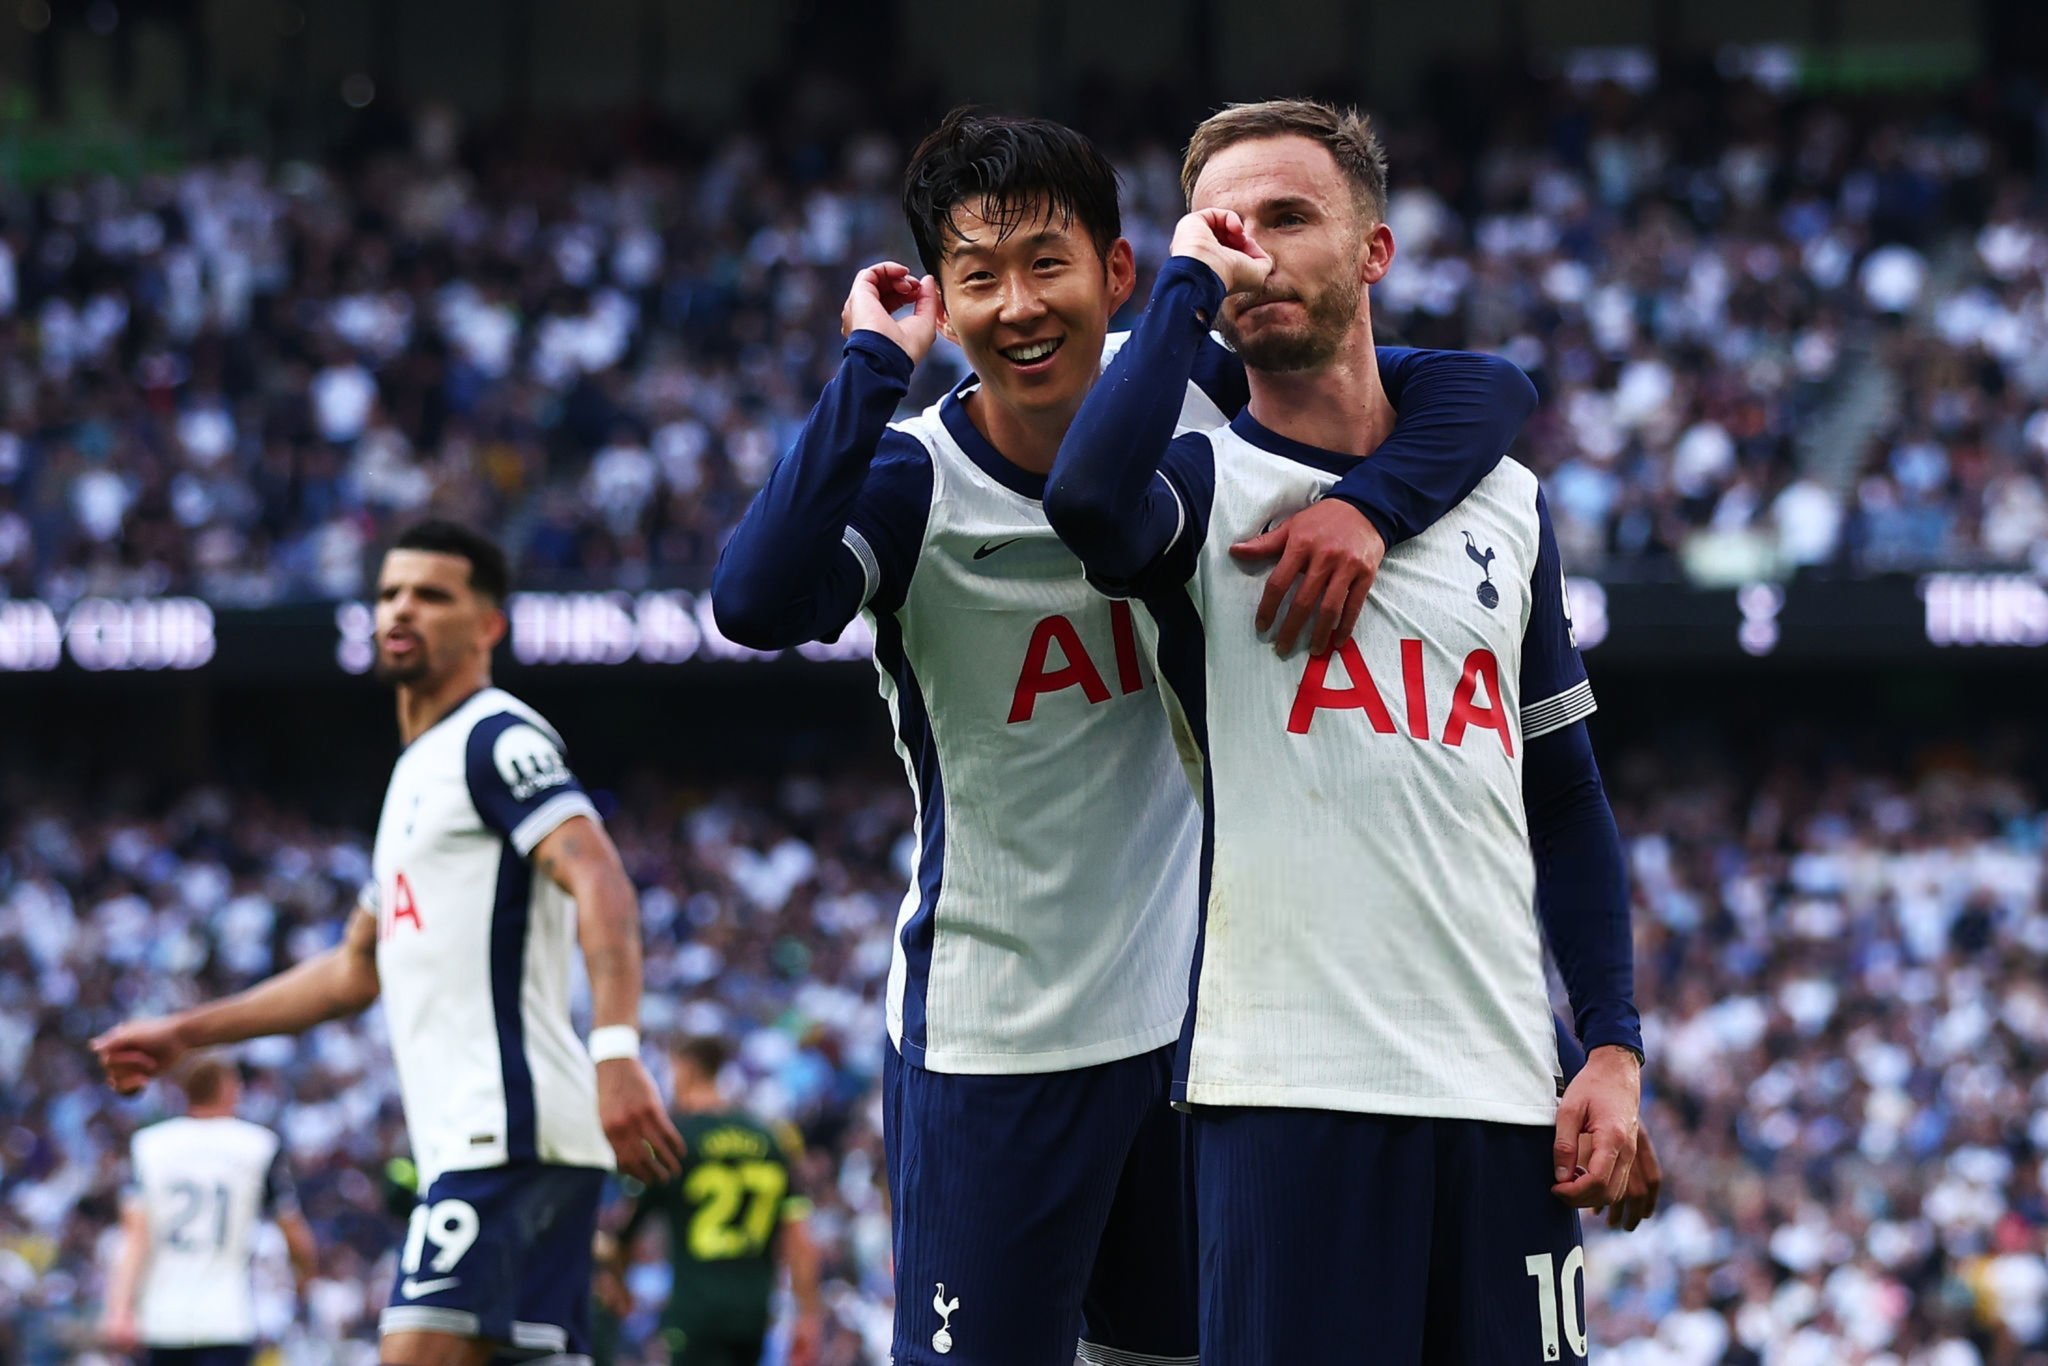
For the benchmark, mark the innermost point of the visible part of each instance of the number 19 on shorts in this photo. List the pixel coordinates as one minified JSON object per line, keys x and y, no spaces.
{"x":1557,"y":1300}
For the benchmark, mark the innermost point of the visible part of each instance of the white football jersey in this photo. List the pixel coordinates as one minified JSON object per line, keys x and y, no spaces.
{"x":203,"y":1185}
{"x":474,"y":945}
{"x":1050,"y":918}
{"x":1370,"y":940}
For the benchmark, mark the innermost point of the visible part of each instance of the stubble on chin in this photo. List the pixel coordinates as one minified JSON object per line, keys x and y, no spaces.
{"x":1286,"y":350}
{"x":394,"y":674}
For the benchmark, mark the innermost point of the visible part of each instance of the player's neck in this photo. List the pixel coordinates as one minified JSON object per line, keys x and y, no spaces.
{"x":1337,"y":407}
{"x":1030,"y":441}
{"x":700,"y":1100}
{"x":209,"y":1111}
{"x":420,"y":707}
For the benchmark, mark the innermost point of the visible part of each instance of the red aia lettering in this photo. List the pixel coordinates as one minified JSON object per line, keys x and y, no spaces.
{"x":1465,"y":710}
{"x":1314,"y":694}
{"x":403,"y":907}
{"x":1076,"y":668}
{"x":1469,"y":708}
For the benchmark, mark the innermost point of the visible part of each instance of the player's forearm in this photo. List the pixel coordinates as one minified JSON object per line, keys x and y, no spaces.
{"x":325,"y":987}
{"x":608,"y":928}
{"x":800,"y":1255}
{"x":785,"y":577}
{"x":1103,"y":497}
{"x":1459,"y":411}
{"x":298,"y":1242}
{"x":126,"y":1276}
{"x":1582,"y":886}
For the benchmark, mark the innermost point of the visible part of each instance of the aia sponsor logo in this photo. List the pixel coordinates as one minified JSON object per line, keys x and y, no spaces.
{"x":1055,"y":660}
{"x":1475,"y":702}
{"x":400,"y":908}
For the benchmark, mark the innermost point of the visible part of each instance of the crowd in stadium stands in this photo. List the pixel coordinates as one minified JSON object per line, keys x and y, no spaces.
{"x":231,"y":379}
{"x":1842,"y":971}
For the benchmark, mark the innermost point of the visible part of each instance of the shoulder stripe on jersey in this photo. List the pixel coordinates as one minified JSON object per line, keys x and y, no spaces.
{"x":1180,"y":514}
{"x":870,"y":566}
{"x":511,"y":910}
{"x":547,"y":817}
{"x":1183,"y":676}
{"x":1555,"y":713}
{"x":914,"y":733}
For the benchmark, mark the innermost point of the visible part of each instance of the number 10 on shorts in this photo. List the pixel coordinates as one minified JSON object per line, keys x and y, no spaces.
{"x":1555,"y":1291}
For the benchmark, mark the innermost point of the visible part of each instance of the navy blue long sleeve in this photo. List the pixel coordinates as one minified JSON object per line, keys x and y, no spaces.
{"x":1459,"y":412}
{"x":786,"y":575}
{"x":1582,"y":885}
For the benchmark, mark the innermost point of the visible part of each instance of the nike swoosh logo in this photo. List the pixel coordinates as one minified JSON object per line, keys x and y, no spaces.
{"x":415,"y":1288}
{"x":991,"y":547}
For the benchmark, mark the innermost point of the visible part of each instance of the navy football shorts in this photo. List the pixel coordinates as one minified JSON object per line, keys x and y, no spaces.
{"x":1398,"y":1241}
{"x":502,"y":1254}
{"x":1031,"y":1211}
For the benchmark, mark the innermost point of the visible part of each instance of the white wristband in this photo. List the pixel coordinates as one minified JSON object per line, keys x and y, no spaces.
{"x":613,"y":1042}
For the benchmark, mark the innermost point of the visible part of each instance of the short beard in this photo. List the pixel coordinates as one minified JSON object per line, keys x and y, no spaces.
{"x":411,"y":672}
{"x":1331,"y":312}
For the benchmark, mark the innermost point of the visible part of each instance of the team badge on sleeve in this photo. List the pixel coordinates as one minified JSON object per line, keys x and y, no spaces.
{"x":528,"y":762}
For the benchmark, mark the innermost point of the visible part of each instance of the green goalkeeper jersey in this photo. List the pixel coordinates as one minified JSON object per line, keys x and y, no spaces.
{"x":723,"y":1212}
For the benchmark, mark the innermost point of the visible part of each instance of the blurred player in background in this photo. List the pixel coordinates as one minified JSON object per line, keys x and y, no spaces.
{"x":733,"y":1220}
{"x":200,"y":1185}
{"x":490,"y":866}
{"x":1042,"y":950}
{"x":1392,"y":825}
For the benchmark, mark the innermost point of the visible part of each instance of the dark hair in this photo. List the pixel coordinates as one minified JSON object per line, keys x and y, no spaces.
{"x":204,"y":1078}
{"x":1347,"y":134}
{"x":1003,"y":166}
{"x":706,"y":1053}
{"x":488,"y":574}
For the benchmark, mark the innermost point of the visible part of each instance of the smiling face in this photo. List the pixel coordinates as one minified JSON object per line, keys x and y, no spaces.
{"x":431,"y":622}
{"x":1031,"y":305}
{"x":1304,"y":212}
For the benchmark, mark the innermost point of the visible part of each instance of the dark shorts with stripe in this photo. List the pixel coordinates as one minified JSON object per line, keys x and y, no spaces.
{"x":1401,"y":1241}
{"x":224,"y":1354}
{"x":1031,"y":1211}
{"x":502,"y":1254}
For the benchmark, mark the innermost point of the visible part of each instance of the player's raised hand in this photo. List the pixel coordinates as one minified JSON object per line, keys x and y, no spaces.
{"x":643,"y":1138}
{"x":878,"y":293}
{"x":1596,"y":1129}
{"x":1645,"y":1187}
{"x":1329,"y":553}
{"x":1218,"y":239}
{"x":135,"y":1053}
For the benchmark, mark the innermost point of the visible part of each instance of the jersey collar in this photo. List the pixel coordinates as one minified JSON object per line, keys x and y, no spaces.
{"x":462,"y":702}
{"x":1266,"y":439}
{"x":993,"y":463}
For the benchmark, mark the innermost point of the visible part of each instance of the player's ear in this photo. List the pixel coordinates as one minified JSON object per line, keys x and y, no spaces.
{"x":1378,"y":255}
{"x":495,"y":627}
{"x":946,"y":328}
{"x":1121,"y":267}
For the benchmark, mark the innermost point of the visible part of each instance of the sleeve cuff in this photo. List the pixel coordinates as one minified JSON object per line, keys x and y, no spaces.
{"x":546,"y":818}
{"x":1203,"y":286}
{"x":1556,"y":712}
{"x":870,"y":566}
{"x":1380,"y":521}
{"x":890,"y":360}
{"x":1617,"y":1025}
